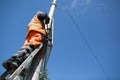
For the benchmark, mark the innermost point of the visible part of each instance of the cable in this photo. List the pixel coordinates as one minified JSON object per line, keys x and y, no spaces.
{"x":86,"y":42}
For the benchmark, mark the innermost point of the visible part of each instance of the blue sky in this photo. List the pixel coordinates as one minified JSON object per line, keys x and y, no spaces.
{"x":86,"y":36}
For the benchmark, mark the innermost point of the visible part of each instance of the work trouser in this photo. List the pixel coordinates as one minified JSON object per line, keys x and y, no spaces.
{"x":32,"y":41}
{"x":18,"y":58}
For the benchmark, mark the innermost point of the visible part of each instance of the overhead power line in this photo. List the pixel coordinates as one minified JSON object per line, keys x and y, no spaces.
{"x":85,"y":40}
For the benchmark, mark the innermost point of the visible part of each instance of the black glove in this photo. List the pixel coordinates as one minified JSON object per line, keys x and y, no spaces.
{"x":47,"y":19}
{"x":43,"y":17}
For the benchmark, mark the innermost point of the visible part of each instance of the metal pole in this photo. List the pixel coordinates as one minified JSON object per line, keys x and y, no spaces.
{"x":50,"y":25}
{"x":36,"y":75}
{"x":51,"y":12}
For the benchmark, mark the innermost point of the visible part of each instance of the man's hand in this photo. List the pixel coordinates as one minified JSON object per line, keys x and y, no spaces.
{"x":43,"y":17}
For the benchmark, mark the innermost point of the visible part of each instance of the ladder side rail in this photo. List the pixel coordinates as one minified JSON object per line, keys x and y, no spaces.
{"x":37,"y":71}
{"x":24,"y":64}
{"x":36,"y":66}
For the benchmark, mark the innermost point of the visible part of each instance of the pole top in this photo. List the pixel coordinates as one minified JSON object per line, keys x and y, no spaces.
{"x":54,"y":2}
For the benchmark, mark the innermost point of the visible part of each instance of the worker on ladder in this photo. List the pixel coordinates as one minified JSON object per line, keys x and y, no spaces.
{"x":35,"y":33}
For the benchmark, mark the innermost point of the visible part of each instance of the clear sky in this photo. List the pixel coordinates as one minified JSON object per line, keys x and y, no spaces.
{"x":86,"y":36}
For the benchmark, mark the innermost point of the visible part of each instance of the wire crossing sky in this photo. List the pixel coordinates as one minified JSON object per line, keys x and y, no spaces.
{"x":87,"y":44}
{"x":71,"y":58}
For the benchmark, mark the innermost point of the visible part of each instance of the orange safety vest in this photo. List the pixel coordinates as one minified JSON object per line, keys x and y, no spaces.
{"x":35,"y":32}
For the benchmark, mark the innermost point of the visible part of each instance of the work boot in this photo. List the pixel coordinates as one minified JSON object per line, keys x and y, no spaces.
{"x":15,"y":64}
{"x":20,"y":56}
{"x":15,"y":61}
{"x":7,"y":63}
{"x":12,"y":63}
